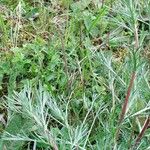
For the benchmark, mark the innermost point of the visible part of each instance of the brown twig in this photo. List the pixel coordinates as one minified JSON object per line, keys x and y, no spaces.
{"x":127,"y":98}
{"x":124,"y":108}
{"x":139,"y":137}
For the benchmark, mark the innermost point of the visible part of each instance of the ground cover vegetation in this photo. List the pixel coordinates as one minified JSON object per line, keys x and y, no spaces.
{"x":74,"y":74}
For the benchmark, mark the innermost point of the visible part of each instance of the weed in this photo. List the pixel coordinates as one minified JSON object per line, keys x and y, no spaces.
{"x":74,"y":74}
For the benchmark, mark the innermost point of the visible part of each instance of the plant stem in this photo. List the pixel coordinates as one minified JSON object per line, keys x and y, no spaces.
{"x":136,"y":36}
{"x":145,"y":126}
{"x":124,"y":108}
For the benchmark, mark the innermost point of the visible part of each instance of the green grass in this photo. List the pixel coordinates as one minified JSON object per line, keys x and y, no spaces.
{"x":74,"y":75}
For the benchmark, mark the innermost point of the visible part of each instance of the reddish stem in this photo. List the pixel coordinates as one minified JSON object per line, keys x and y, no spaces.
{"x":124,"y":108}
{"x":146,"y":125}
